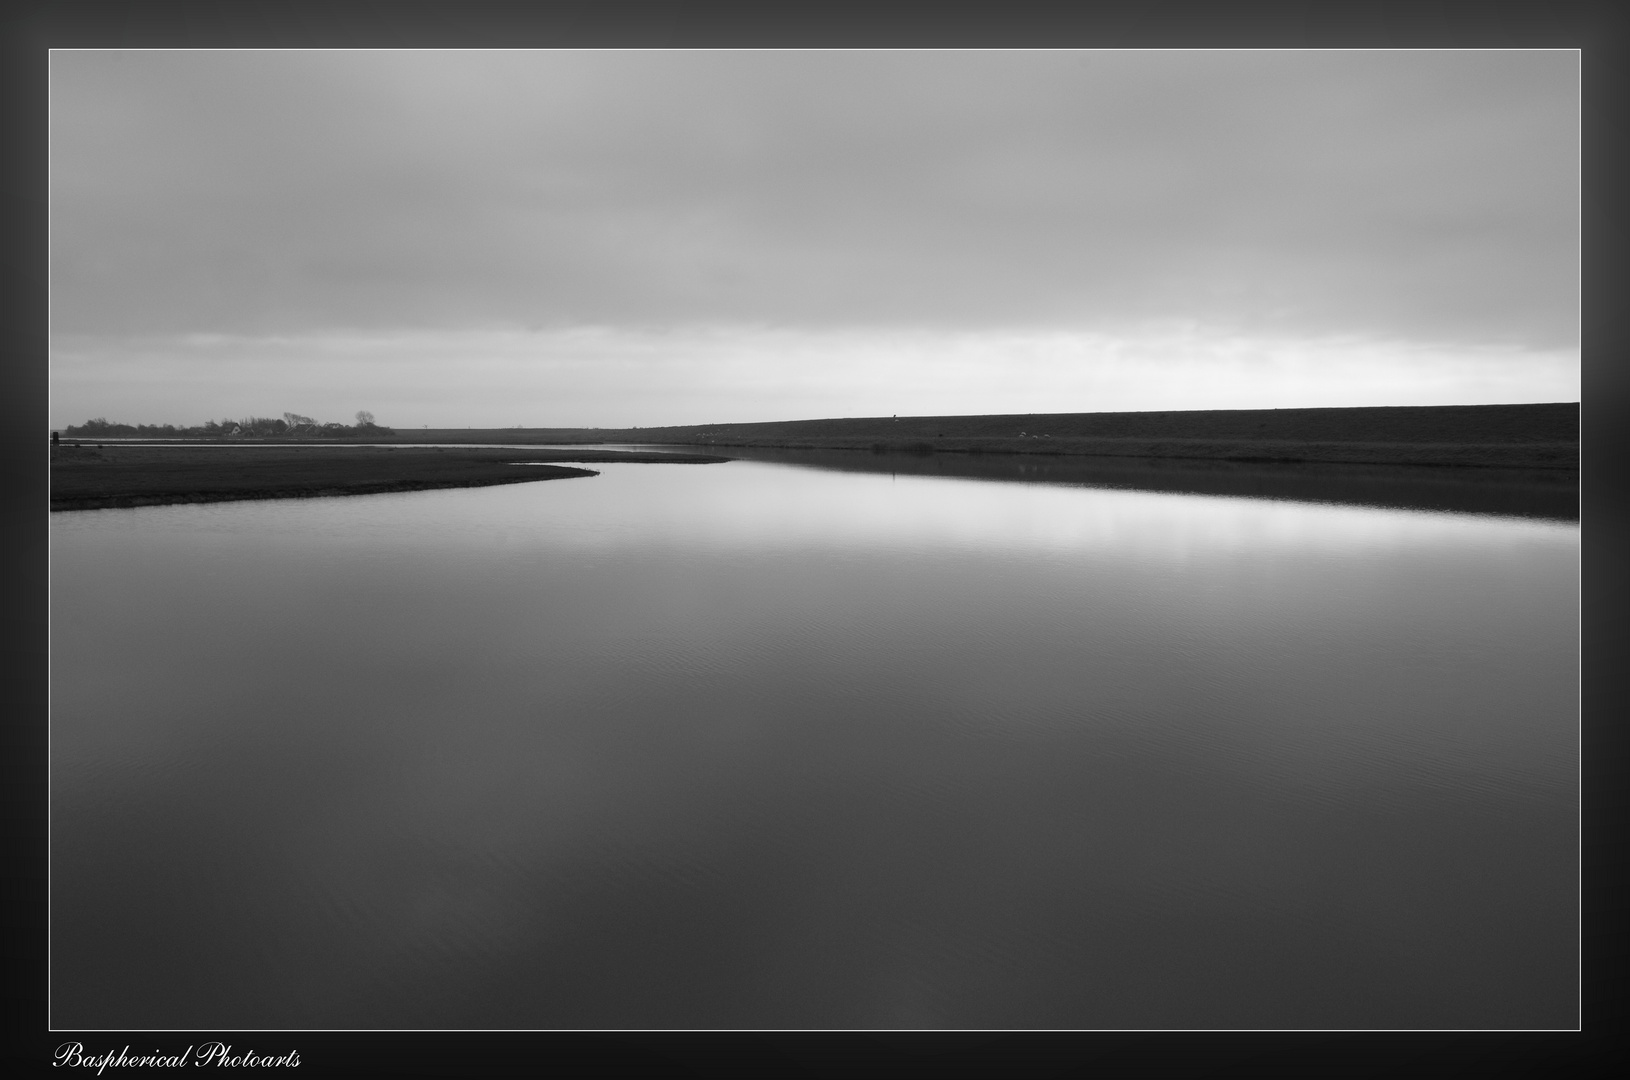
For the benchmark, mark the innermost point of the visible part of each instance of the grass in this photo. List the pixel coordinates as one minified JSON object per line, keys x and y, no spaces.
{"x":86,"y":476}
{"x":1540,"y":436}
{"x":1458,"y":437}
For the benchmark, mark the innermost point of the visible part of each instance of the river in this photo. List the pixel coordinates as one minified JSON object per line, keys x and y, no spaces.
{"x":754,"y":745}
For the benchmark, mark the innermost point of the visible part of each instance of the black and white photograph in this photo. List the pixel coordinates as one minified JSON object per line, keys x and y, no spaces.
{"x":814,"y":540}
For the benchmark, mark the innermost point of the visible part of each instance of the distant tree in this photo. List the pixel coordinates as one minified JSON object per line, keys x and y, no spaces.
{"x":365,"y":418}
{"x":99,"y":427}
{"x":298,"y":424}
{"x":261,"y":427}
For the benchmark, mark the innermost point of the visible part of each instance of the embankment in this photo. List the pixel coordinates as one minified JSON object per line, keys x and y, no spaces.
{"x":1536,"y":436}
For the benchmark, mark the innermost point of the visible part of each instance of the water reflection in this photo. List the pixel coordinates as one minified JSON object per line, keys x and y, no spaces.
{"x":1541,"y":493}
{"x":747,"y":745}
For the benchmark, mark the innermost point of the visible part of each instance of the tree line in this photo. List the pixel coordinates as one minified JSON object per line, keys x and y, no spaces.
{"x":290,"y":425}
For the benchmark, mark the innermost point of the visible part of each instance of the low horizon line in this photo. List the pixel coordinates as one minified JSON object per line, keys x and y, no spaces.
{"x":878,"y":416}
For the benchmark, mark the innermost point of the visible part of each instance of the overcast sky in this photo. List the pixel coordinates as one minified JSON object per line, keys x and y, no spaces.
{"x":610,"y":238}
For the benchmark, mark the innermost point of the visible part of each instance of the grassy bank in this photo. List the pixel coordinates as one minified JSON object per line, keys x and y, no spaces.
{"x":87,"y":476}
{"x":1542,"y":436}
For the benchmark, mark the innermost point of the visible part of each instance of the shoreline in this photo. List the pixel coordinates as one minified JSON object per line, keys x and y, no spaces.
{"x":1475,"y":446}
{"x":1533,"y":436}
{"x":1548,"y":494}
{"x":91,"y":476}
{"x":180,"y":498}
{"x":1550,"y":455}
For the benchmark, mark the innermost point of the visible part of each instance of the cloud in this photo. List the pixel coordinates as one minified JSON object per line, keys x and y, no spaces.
{"x":1409,"y":196}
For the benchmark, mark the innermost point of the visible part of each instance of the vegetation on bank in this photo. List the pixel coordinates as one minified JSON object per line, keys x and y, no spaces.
{"x":88,"y":477}
{"x":1527,"y":436}
{"x":290,"y":426}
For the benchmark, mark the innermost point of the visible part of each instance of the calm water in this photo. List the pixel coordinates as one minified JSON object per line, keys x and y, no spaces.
{"x":753,"y":745}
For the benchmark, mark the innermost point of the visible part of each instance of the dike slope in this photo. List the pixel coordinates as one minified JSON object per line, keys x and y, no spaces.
{"x":1537,"y":436}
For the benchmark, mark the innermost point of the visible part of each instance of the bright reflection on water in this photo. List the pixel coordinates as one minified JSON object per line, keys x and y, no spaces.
{"x":748,"y":745}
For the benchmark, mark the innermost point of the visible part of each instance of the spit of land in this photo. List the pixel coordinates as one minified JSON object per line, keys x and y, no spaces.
{"x":87,"y":475}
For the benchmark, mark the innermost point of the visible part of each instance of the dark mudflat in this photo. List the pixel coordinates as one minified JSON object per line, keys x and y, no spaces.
{"x":89,"y":476}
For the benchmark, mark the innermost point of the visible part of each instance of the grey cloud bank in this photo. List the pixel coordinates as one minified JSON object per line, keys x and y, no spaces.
{"x":1390,"y":196}
{"x":1427,"y":193}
